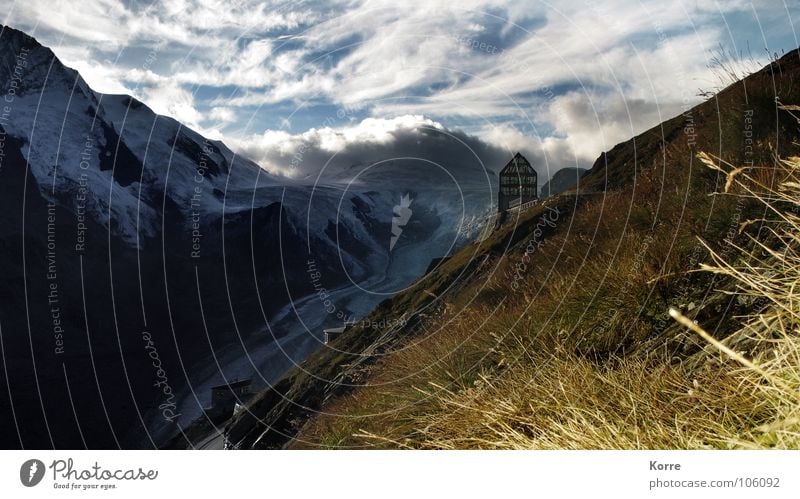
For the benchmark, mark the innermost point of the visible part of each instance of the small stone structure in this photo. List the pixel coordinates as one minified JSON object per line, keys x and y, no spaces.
{"x":224,"y":398}
{"x":334,"y":332}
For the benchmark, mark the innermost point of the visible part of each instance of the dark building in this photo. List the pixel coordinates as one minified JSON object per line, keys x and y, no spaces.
{"x":334,"y":332}
{"x":518,"y":183}
{"x":225,"y":397}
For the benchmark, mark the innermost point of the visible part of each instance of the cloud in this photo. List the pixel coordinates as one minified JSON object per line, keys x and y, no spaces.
{"x":546,"y":153}
{"x":171,"y":99}
{"x":591,"y":123}
{"x":572,"y":77}
{"x":222,"y":115}
{"x":333,"y":152}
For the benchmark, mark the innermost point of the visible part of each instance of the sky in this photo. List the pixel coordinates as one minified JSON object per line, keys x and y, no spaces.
{"x":561,"y":81}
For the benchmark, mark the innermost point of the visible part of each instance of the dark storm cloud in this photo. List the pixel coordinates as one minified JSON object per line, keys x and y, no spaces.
{"x":333,"y":152}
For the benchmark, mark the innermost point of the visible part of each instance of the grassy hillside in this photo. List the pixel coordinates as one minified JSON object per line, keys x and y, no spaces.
{"x":555,"y":332}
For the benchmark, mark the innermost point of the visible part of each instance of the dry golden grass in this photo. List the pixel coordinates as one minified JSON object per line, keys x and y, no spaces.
{"x":572,"y":403}
{"x":561,"y":401}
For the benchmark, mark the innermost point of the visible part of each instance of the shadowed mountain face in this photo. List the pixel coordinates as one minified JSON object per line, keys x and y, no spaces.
{"x":562,"y":180}
{"x":134,"y":250}
{"x":99,"y":256}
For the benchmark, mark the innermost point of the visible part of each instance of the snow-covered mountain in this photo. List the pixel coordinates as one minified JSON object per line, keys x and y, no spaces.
{"x":143,"y":263}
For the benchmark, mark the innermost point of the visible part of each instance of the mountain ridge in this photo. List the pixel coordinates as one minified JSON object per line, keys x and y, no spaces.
{"x":562,"y":180}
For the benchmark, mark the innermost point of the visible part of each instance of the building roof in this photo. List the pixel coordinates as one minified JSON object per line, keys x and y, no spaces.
{"x":518,"y":164}
{"x":233,"y":385}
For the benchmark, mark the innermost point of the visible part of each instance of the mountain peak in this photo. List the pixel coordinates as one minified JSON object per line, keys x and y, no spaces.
{"x":11,"y":36}
{"x":28,"y":66}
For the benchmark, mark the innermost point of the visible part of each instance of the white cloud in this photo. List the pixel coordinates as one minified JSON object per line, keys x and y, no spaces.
{"x":275,"y":150}
{"x":222,"y":115}
{"x":104,"y":78}
{"x":586,"y":72}
{"x":171,"y":99}
{"x":590,"y":123}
